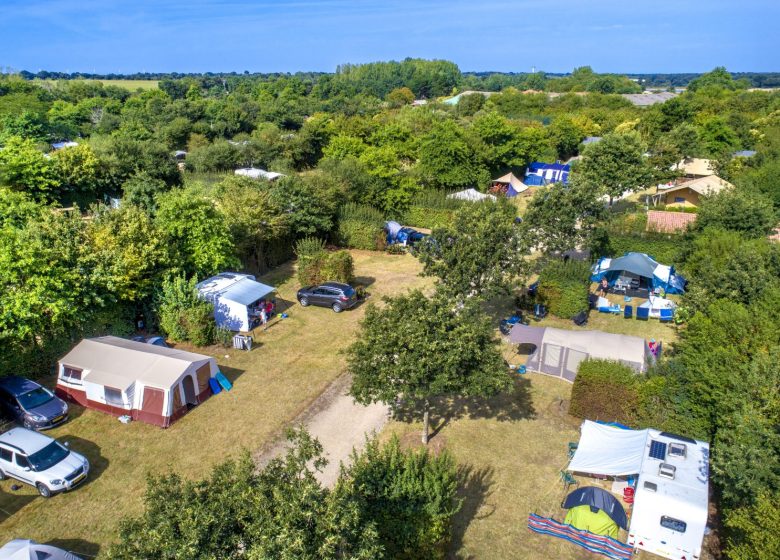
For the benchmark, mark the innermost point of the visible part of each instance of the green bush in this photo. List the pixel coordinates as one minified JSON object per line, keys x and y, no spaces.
{"x":361,"y":227}
{"x":182,"y":314}
{"x":309,"y":246}
{"x":605,"y":390}
{"x":338,"y":267}
{"x":431,"y":209}
{"x":563,"y":287}
{"x":663,"y":248}
{"x":324,"y":266}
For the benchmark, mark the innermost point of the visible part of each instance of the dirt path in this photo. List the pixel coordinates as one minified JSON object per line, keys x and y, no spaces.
{"x":338,"y":422}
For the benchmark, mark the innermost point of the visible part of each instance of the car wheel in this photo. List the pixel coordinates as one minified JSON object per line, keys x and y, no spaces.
{"x":337,"y":308}
{"x":304,"y":301}
{"x":43,"y":490}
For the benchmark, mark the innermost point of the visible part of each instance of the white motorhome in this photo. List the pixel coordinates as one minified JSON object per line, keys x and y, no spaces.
{"x":670,"y":511}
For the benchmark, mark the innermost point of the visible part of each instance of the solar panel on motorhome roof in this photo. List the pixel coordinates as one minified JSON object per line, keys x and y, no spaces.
{"x":657,"y":450}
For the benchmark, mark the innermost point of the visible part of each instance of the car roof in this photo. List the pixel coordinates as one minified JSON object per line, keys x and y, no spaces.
{"x":17,"y":385}
{"x":339,"y":285}
{"x":25,"y":440}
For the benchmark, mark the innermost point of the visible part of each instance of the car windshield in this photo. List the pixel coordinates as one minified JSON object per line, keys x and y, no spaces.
{"x":35,"y":398}
{"x":48,"y":456}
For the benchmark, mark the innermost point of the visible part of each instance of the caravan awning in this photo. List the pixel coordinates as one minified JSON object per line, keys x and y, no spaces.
{"x":247,"y":291}
{"x":609,"y":451}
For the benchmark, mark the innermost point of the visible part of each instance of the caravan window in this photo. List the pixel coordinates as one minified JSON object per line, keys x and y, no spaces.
{"x":113,"y":396}
{"x":673,"y":524}
{"x":71,"y":374}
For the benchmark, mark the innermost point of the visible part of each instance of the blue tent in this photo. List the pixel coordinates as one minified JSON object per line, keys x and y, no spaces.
{"x":640,"y":268}
{"x":403,"y":235}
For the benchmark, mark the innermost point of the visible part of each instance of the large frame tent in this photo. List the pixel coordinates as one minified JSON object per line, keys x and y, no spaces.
{"x":641,"y":271}
{"x":559,"y":352}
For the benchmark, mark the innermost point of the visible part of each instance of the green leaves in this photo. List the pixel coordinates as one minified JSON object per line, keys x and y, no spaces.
{"x":480,"y":254}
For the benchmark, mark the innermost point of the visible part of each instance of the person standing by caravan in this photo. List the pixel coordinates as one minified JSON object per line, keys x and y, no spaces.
{"x":263,"y":317}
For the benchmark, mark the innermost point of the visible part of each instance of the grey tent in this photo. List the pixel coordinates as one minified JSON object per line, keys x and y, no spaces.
{"x":599,"y":498}
{"x":559,"y":352}
{"x":24,"y":549}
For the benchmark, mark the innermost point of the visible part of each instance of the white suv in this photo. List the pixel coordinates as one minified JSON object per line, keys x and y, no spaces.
{"x":40,"y":461}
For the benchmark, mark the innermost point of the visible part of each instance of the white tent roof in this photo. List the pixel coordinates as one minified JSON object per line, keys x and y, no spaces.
{"x":24,"y":549}
{"x":510,"y":179}
{"x":608,"y":450}
{"x":472,"y":195}
{"x":233,"y":286}
{"x":598,"y":344}
{"x":256,"y":173}
{"x":118,"y":363}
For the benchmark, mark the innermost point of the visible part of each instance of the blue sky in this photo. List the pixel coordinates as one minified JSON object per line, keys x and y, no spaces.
{"x":289,"y":35}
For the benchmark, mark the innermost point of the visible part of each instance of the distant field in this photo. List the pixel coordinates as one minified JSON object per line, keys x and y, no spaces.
{"x":131,"y":85}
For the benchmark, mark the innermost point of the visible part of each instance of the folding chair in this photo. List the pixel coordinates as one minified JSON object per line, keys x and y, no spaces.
{"x":642,"y":313}
{"x":568,"y":480}
{"x":540,"y":311}
{"x":628,"y":312}
{"x":572,"y":449}
{"x":666,"y":315}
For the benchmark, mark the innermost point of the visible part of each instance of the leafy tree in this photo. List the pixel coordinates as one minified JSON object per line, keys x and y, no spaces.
{"x":501,"y":144}
{"x":124,"y":253}
{"x":309,"y":205}
{"x":77,"y":168}
{"x":748,"y":213}
{"x":479,"y":254}
{"x":219,"y":156}
{"x":717,"y":78}
{"x":560,"y":218}
{"x":24,"y":168}
{"x":565,"y":136}
{"x":410,"y":496}
{"x":197,"y":232}
{"x":182,"y":314}
{"x":17,"y":208}
{"x":142,"y":189}
{"x":447,"y":160}
{"x":400,"y":97}
{"x":468,"y":105}
{"x":614,"y":165}
{"x":416,"y":348}
{"x":754,"y":530}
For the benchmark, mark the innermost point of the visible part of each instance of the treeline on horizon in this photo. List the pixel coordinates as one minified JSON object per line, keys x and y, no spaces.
{"x":484,"y":80}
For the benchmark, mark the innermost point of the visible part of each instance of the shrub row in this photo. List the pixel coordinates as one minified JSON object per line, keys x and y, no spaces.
{"x":431,"y":209}
{"x":316,"y":265}
{"x":563,"y":287}
{"x":361,"y":227}
{"x":605,"y":390}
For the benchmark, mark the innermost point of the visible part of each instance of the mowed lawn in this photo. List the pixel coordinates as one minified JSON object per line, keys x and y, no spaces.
{"x":510,"y":450}
{"x":292,"y":362}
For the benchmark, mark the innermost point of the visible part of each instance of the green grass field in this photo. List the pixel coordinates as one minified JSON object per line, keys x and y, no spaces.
{"x":131,"y":85}
{"x":291,"y":364}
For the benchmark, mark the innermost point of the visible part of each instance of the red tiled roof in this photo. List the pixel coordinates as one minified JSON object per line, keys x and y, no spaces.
{"x":668,"y":222}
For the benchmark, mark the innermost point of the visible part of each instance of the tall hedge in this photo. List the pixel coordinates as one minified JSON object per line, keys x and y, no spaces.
{"x":431,"y":209}
{"x":316,"y":265}
{"x":606,"y":390}
{"x":361,"y":227}
{"x":563,"y":287}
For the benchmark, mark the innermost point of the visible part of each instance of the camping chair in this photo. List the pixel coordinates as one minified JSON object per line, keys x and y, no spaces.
{"x":540,"y":311}
{"x":642,"y":313}
{"x":580,"y":318}
{"x":572,"y":449}
{"x":568,"y":480}
{"x":666,"y":315}
{"x":628,"y":312}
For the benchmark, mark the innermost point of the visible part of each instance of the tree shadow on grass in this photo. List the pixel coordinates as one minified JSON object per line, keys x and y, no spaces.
{"x":515,"y":404}
{"x":232,"y":373}
{"x":11,"y":502}
{"x":79,"y":547}
{"x":474,"y":488}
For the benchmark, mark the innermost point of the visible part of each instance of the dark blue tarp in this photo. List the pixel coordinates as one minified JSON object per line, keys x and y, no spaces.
{"x":598,"y":498}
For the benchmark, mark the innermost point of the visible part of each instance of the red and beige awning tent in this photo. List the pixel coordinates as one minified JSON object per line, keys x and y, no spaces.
{"x":122,"y":377}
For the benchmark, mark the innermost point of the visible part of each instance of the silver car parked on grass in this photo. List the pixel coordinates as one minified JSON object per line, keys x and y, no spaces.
{"x":40,"y":461}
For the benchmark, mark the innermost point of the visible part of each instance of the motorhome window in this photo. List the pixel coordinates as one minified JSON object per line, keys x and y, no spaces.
{"x":673,"y":524}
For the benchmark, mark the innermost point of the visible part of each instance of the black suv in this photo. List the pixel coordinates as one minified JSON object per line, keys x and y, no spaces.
{"x":335,"y":295}
{"x":31,"y":405}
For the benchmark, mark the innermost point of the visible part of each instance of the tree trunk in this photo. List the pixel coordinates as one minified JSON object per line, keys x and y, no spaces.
{"x":426,"y":422}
